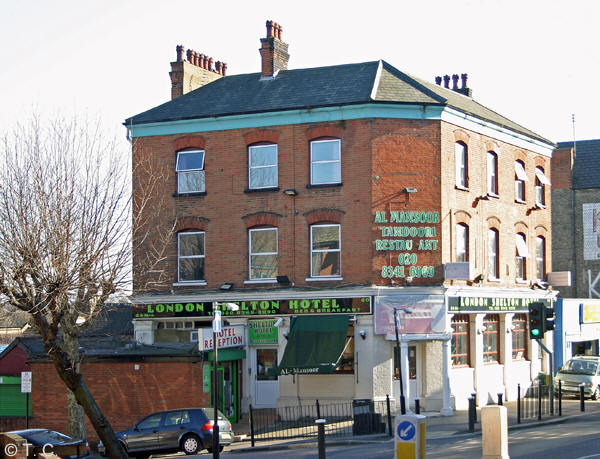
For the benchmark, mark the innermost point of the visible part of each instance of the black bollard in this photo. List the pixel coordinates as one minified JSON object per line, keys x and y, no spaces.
{"x":474,"y":395}
{"x":321,"y":426}
{"x":499,"y":399}
{"x":471,"y":414}
{"x":560,"y":398}
{"x":581,"y":398}
{"x":417,"y":406}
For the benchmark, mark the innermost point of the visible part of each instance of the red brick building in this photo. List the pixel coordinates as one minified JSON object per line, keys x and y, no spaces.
{"x":344,"y":191}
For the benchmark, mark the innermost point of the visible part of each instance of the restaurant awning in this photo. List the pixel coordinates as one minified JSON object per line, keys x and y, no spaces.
{"x":315,"y":345}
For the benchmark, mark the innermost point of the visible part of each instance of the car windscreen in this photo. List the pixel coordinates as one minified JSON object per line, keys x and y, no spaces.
{"x":46,"y":436}
{"x":582,"y":367}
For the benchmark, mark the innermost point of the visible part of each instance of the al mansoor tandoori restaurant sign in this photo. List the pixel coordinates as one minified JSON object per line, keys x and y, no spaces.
{"x":250,"y":308}
{"x":492,"y":304}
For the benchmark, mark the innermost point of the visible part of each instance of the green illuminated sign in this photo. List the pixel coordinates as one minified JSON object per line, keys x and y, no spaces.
{"x":262,"y":332}
{"x":491,"y":304}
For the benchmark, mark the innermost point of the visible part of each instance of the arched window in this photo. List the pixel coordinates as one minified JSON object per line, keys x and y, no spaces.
{"x":541,"y":181}
{"x":521,"y":257}
{"x":491,"y":350}
{"x":492,"y":173}
{"x":460,"y":341}
{"x":520,"y":179}
{"x":262,"y":166}
{"x":462,"y":242}
{"x":262,"y":245}
{"x":519,"y":337}
{"x":493,"y":255}
{"x":190,"y":171}
{"x":325,"y":161}
{"x":190,"y":256}
{"x":540,"y":258}
{"x":326,"y":251}
{"x":460,"y":156}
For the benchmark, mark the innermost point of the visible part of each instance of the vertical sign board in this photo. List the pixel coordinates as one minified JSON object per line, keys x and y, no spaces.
{"x":26,"y":382}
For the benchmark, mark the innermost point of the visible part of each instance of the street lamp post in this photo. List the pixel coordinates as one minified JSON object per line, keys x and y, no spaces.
{"x":216,"y":326}
{"x":399,"y":360}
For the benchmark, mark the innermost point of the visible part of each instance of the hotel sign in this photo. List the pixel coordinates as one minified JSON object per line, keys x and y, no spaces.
{"x":254,"y":308}
{"x":457,"y":304}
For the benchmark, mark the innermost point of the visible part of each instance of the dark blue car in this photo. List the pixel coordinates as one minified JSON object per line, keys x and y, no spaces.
{"x":188,"y":430}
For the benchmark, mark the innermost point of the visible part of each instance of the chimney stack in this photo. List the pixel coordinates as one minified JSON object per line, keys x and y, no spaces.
{"x":273,"y":51}
{"x":462,"y":90}
{"x":196,"y":71}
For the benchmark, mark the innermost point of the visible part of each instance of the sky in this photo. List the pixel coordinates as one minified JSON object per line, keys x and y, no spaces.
{"x":532,"y":61}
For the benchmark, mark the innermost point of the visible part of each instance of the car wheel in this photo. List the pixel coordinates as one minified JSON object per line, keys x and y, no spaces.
{"x":190,"y":444}
{"x":596,"y":393}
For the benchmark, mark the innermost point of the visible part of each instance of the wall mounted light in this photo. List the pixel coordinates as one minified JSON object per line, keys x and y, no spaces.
{"x":290,"y":192}
{"x":363,"y":334}
{"x":410,"y":190}
{"x":226,"y":286}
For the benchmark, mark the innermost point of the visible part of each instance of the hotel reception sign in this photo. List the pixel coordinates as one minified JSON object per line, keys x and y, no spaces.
{"x":257,"y":308}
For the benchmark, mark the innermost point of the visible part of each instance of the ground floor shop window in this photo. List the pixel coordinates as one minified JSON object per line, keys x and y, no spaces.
{"x":491,"y":325}
{"x":460,"y":340}
{"x":347,"y":361}
{"x":519,"y":337}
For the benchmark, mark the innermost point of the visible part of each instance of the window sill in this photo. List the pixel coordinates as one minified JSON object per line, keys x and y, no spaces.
{"x":494,"y":279}
{"x":258,"y":190}
{"x":196,"y":193}
{"x":261,"y":281}
{"x":323,"y":279}
{"x":461,"y":188}
{"x":191,"y":283}
{"x":540,"y":206}
{"x":324,"y":185}
{"x":522,"y":281}
{"x":519,"y":201}
{"x":493,"y":195}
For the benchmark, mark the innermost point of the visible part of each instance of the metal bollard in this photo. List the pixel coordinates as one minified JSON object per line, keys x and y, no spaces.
{"x":518,"y":404}
{"x":560,"y":398}
{"x":417,"y":406}
{"x":581,"y":398}
{"x":499,"y":399}
{"x":471,"y":414}
{"x":321,"y":426}
{"x":474,"y":395}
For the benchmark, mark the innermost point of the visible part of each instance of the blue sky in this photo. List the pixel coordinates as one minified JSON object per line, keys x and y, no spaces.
{"x":535,"y":62}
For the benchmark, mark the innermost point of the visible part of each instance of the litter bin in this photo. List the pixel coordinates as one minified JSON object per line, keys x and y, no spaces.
{"x":363,"y":411}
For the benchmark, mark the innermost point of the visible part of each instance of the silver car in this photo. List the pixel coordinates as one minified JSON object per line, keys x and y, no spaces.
{"x":581,"y":369}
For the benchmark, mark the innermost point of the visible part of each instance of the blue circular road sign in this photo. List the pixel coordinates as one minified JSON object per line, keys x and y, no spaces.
{"x":406,"y":430}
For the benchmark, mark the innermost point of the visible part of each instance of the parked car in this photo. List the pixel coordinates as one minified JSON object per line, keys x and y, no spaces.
{"x":188,"y":430}
{"x":581,"y":369}
{"x":50,"y":441}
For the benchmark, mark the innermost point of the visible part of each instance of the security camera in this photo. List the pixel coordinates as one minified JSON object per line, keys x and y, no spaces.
{"x":363,"y":334}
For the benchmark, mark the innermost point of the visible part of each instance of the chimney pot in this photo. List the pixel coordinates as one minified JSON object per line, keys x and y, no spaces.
{"x":455,"y":81}
{"x":189,"y":54}
{"x":196,"y":58}
{"x":224,"y":68}
{"x":202,"y":61}
{"x":218,"y":67}
{"x":464,"y":80}
{"x":270,"y":29}
{"x":446,"y":81}
{"x":179,"y":49}
{"x":279,"y":31}
{"x":210,"y":63}
{"x":438,"y":80}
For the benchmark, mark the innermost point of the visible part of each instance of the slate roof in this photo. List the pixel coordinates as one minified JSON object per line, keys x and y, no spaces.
{"x":586,"y":168}
{"x":296,"y":89}
{"x":114,"y":319}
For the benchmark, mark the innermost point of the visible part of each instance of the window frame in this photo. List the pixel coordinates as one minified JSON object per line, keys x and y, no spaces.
{"x":519,"y":333}
{"x":540,"y":260}
{"x":251,"y":253}
{"x":179,"y":171}
{"x":462,"y":239}
{"x":461,"y":160}
{"x":180,"y":257}
{"x":488,"y":338}
{"x":256,"y":147}
{"x":338,"y":161}
{"x":462,"y":331}
{"x":541,"y":181}
{"x":338,"y":250}
{"x":521,"y":255}
{"x":492,"y":173}
{"x":493,"y":255}
{"x":520,"y":179}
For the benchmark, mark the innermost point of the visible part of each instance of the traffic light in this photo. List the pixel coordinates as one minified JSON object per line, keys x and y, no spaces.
{"x":548,"y":318}
{"x":536,"y":320}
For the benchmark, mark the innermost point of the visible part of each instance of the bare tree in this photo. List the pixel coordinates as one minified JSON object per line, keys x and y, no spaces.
{"x":65,"y":239}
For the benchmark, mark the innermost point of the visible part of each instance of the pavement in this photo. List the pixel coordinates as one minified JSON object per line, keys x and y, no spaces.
{"x":438,"y":428}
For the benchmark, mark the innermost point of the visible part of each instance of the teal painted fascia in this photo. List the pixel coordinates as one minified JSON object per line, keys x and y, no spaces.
{"x":316,"y":115}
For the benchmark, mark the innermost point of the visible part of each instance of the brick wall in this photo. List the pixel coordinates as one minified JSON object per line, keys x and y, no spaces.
{"x":380,"y":157}
{"x":123,"y":394}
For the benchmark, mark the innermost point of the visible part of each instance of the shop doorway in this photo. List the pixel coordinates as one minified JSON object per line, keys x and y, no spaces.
{"x":414,"y":386}
{"x":228,"y":380}
{"x":266,"y":385}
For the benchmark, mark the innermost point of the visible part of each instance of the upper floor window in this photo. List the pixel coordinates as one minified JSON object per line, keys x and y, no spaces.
{"x":521,"y":257}
{"x":190,"y":171}
{"x":491,"y":327}
{"x":262,"y":166}
{"x":493,"y":254}
{"x":263,"y":253}
{"x":520,"y":179}
{"x":462,"y":242}
{"x":460,"y":340}
{"x":325,"y":162}
{"x":325,"y":243}
{"x":541,"y":181}
{"x":540,"y":258}
{"x":460,"y":155}
{"x":519,"y":337}
{"x":190,"y":256}
{"x":492,"y":173}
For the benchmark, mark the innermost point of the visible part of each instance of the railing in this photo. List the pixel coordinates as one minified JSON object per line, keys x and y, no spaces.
{"x":359,"y":417}
{"x":537,"y":401}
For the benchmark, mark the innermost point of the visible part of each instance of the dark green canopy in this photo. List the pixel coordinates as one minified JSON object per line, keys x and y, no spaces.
{"x":315,"y":344}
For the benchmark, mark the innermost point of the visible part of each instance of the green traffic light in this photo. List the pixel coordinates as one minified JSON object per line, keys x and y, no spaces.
{"x":535,"y":332}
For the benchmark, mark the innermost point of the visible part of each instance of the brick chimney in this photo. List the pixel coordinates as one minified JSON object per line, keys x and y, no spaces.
{"x":196,"y":71}
{"x":463,"y":89}
{"x":273,"y":52}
